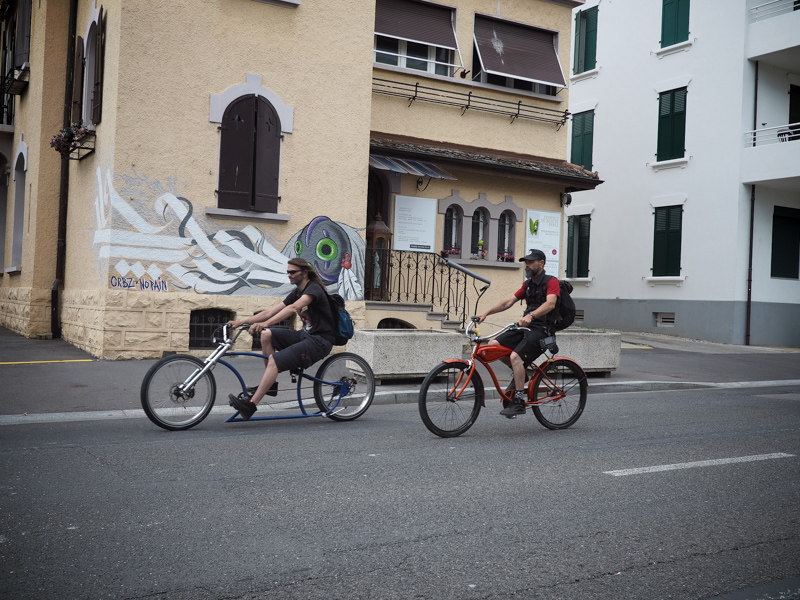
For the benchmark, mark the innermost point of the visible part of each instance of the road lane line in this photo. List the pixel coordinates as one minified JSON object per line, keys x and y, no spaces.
{"x":699,"y":463}
{"x":40,"y":362}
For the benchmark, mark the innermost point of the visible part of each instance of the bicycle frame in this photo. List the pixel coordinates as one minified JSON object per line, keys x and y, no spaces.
{"x":223,"y":350}
{"x":486,"y":354}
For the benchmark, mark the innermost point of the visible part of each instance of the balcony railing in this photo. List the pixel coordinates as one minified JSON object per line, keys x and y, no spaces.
{"x":772,"y":135}
{"x":422,"y":278}
{"x":773,"y":9}
{"x":468,"y":101}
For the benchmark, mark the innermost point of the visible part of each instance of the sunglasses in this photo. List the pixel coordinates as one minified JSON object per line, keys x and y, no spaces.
{"x":293,"y":272}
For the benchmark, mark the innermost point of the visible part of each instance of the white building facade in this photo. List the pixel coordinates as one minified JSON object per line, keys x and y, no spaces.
{"x":690,"y":113}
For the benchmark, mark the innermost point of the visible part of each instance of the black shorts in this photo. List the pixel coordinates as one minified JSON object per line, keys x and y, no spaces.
{"x":525,"y":343}
{"x":297,"y":349}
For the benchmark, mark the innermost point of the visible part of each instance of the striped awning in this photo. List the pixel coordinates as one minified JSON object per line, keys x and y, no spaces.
{"x":412,"y":167}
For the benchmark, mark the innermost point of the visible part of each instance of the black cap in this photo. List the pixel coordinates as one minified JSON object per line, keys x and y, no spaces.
{"x":534,"y":255}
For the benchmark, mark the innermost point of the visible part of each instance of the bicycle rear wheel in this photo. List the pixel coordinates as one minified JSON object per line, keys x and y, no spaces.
{"x":347,"y":387}
{"x":166,"y":403}
{"x":447,"y":404}
{"x":565,"y":382}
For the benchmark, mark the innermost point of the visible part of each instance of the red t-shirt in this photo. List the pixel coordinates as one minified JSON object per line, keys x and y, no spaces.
{"x":552,"y":288}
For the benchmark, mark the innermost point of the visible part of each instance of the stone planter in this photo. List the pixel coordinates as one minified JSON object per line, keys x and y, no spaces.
{"x":594,"y":351}
{"x":405,"y":353}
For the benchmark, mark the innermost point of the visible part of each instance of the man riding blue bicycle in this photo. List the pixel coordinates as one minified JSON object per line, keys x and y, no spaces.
{"x":286,"y":348}
{"x":541,"y":293}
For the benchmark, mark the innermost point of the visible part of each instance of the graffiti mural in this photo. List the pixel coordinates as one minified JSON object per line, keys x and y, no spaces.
{"x":149,"y":238}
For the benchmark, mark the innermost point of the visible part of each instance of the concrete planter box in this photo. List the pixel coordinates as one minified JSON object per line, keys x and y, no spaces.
{"x":593,"y":351}
{"x":405,"y":353}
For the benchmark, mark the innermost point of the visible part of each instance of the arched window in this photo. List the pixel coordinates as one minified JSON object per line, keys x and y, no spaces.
{"x":480,"y":220}
{"x":249,"y":155}
{"x":505,"y":237}
{"x":94,"y":56}
{"x":452,"y":232}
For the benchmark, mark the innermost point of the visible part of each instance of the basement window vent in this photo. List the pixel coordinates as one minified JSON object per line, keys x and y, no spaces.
{"x":202,"y":325}
{"x":285,"y":324}
{"x":665,"y":319}
{"x":579,"y":317}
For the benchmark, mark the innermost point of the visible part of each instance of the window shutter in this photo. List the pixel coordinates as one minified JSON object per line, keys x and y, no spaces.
{"x":674,"y":240}
{"x":267,"y":156}
{"x":570,"y":246}
{"x":237,"y":148}
{"x":590,"y":41}
{"x":99,"y":60}
{"x":588,"y":139}
{"x":77,"y":83}
{"x":660,"y":243}
{"x":576,"y":155}
{"x":668,"y":20}
{"x":584,"y":223}
{"x":577,"y":60}
{"x":671,"y":124}
{"x":22,"y":41}
{"x":682,"y":21}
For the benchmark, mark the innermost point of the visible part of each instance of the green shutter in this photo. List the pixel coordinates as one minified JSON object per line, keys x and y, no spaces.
{"x":590,"y":40}
{"x":671,"y":124}
{"x":669,"y":12}
{"x":588,"y":139}
{"x":576,"y":61}
{"x":576,"y":155}
{"x":674,"y":224}
{"x":570,"y":246}
{"x":682,"y":21}
{"x":667,"y":241}
{"x":584,"y":223}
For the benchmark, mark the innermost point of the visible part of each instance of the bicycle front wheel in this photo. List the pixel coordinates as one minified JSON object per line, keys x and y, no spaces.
{"x":347,"y":386}
{"x":165,"y":400}
{"x":565,"y":383}
{"x":448,"y":404}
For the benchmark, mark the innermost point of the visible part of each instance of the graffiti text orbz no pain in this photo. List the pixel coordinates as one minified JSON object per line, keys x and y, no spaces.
{"x":144,"y":285}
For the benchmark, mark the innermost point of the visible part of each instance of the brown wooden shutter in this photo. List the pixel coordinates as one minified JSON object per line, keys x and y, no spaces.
{"x":268,"y":156}
{"x":236,"y":154}
{"x":99,"y":60}
{"x":77,"y":83}
{"x":22,"y":41}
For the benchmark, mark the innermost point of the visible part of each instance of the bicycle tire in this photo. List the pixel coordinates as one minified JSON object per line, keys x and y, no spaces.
{"x":567,"y":379}
{"x":443,"y":414}
{"x":168,"y":407}
{"x":356,"y":372}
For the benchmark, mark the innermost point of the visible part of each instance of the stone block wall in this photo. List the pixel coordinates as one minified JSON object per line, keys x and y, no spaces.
{"x":25,"y":310}
{"x":118,"y":325}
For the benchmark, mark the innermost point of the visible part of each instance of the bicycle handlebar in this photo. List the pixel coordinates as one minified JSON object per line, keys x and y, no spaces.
{"x":509,"y":327}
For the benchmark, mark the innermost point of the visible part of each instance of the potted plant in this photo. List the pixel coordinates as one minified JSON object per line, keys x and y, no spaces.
{"x":68,"y":139}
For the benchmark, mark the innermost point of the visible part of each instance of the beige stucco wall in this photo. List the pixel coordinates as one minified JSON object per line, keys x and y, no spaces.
{"x":25,"y":296}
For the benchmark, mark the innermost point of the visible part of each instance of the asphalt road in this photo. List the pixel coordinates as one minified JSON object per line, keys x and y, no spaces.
{"x":381,"y":508}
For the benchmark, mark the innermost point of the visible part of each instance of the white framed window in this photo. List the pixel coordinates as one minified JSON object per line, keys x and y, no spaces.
{"x":480,"y":220}
{"x":505,"y":237}
{"x":414,"y":55}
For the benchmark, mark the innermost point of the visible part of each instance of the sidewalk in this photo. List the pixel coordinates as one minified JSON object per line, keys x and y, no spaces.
{"x":75,"y":382}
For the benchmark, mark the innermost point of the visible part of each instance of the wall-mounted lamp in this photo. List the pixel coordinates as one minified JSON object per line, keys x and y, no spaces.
{"x":566,"y":199}
{"x":464,"y":73}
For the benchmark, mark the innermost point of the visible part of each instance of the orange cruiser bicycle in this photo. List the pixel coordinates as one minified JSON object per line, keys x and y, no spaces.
{"x":452,"y":394}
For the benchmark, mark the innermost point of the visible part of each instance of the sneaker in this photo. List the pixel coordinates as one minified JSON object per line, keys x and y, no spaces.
{"x":245,"y":407}
{"x":515,"y":408}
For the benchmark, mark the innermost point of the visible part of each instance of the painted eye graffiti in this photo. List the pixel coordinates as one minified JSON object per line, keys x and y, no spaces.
{"x":298,"y":247}
{"x":326,"y":249}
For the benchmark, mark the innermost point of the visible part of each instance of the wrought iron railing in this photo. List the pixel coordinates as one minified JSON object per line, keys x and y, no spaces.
{"x":423,"y":278}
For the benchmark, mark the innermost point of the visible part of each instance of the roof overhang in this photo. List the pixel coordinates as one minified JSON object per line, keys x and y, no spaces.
{"x":493,"y":162}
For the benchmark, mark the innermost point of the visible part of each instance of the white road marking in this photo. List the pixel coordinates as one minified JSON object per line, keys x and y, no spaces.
{"x":699,"y":463}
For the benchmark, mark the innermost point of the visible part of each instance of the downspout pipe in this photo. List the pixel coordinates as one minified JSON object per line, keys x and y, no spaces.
{"x":63,"y":194}
{"x":752,"y":225}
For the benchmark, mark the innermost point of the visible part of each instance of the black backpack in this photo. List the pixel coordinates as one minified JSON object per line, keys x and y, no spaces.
{"x":342,"y":323}
{"x":564,"y":314}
